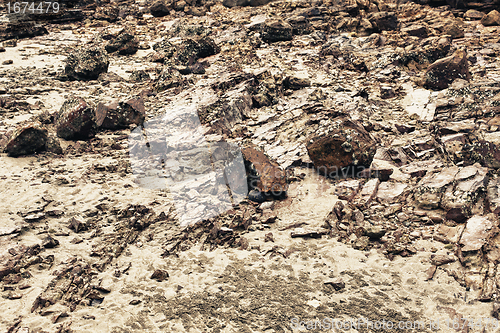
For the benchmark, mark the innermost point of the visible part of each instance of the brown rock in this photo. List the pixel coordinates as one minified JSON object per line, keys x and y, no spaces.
{"x":431,"y":188}
{"x":75,"y":120}
{"x":473,"y":14}
{"x":476,"y":233}
{"x":367,"y":193}
{"x":441,"y":73}
{"x":263,"y":173}
{"x":26,"y":139}
{"x":120,"y":114}
{"x":276,"y":30}
{"x":493,"y":18}
{"x":347,"y":144}
{"x":160,"y":275}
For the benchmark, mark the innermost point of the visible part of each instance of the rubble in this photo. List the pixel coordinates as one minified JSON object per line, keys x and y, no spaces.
{"x":75,"y":120}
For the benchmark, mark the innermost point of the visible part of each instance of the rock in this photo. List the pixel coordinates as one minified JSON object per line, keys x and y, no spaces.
{"x":124,"y":43}
{"x":160,"y":275}
{"x":348,"y":143}
{"x":375,"y":232}
{"x":473,"y":14}
{"x":139,"y":76}
{"x":116,"y":115}
{"x":263,"y":173}
{"x":382,"y":21}
{"x":50,"y":242}
{"x":169,"y":78}
{"x":27,"y":139}
{"x":367,"y":193}
{"x":493,"y":195}
{"x":275,"y":30}
{"x":159,"y":9}
{"x":346,"y":190}
{"x":235,"y":3}
{"x":441,"y":259}
{"x":432,"y":187}
{"x":308,"y":232}
{"x":441,"y":73}
{"x":454,"y":29}
{"x":86,"y":63}
{"x":192,"y":49}
{"x":75,"y":120}
{"x":337,"y":284}
{"x":295,"y":83}
{"x":476,"y":233}
{"x":53,"y":145}
{"x":390,"y":192}
{"x":416,"y":30}
{"x":493,"y":18}
{"x":18,"y":30}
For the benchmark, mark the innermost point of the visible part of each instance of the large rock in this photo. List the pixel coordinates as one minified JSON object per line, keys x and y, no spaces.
{"x":348,"y":143}
{"x":26,"y":139}
{"x":264,"y":174}
{"x":123,"y":42}
{"x":121,"y":114}
{"x":159,"y":9}
{"x":75,"y":120}
{"x":383,"y":21}
{"x":18,"y":30}
{"x":86,"y":63}
{"x":493,"y":18}
{"x":441,"y":73}
{"x":276,"y":30}
{"x":477,"y":232}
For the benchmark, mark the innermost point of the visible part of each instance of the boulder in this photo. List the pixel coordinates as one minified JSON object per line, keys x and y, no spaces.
{"x":124,"y":43}
{"x":275,"y":30}
{"x":382,"y":21}
{"x":75,"y":120}
{"x":116,"y":115}
{"x":478,"y":231}
{"x":264,"y":174}
{"x":159,"y":9}
{"x":26,"y":139}
{"x":86,"y":63}
{"x":493,"y":18}
{"x":348,"y":143}
{"x":441,"y":73}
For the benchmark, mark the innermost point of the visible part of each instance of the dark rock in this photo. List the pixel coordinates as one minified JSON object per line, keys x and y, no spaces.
{"x":159,"y":9}
{"x":416,"y":30}
{"x":53,"y":145}
{"x":444,"y":71}
{"x":121,"y":114}
{"x":348,"y":143}
{"x":20,"y":30}
{"x":295,"y":83}
{"x":139,"y":76}
{"x":493,"y":18}
{"x":160,"y":275}
{"x":50,"y":242}
{"x":86,"y":63}
{"x":274,"y":30}
{"x":124,"y":43}
{"x":383,"y":21}
{"x":337,"y":284}
{"x":27,"y":139}
{"x":77,"y":225}
{"x":192,"y":49}
{"x":235,"y":3}
{"x":473,"y":14}
{"x":374,"y":232}
{"x":169,"y":78}
{"x":75,"y":120}
{"x":263,"y":173}
{"x":256,"y":196}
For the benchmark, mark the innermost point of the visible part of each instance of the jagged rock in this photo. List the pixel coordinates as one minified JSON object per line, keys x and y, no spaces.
{"x":375,"y":232}
{"x":86,"y":63}
{"x":191,"y":49}
{"x":476,"y":233}
{"x":493,"y":18}
{"x":484,"y":152}
{"x":441,"y":73}
{"x":416,"y":30}
{"x":493,"y":195}
{"x":53,"y":145}
{"x":27,"y":139}
{"x":121,"y":114}
{"x":454,"y":29}
{"x":382,"y":21}
{"x":169,"y":78}
{"x":390,"y":192}
{"x":160,"y":275}
{"x":75,"y":120}
{"x":235,"y":3}
{"x":432,"y":187}
{"x":367,"y":193}
{"x":348,"y":143}
{"x":473,"y":14}
{"x":263,"y":173}
{"x":139,"y":76}
{"x":159,"y":9}
{"x":274,"y":30}
{"x":122,"y":42}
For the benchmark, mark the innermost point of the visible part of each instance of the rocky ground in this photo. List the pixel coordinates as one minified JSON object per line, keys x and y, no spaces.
{"x":367,"y":130}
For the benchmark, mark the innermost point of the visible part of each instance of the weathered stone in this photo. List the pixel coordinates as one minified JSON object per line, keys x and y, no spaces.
{"x":453,"y":144}
{"x":346,"y":190}
{"x":159,"y":9}
{"x":441,"y":73}
{"x":124,"y":43}
{"x":308,"y":232}
{"x":18,"y":30}
{"x":431,"y":188}
{"x":493,"y":18}
{"x":346,"y":144}
{"x":367,"y":193}
{"x":473,"y":14}
{"x":441,"y":259}
{"x":375,"y":232}
{"x":454,"y":29}
{"x":75,"y":120}
{"x":235,"y":3}
{"x":383,"y":21}
{"x":86,"y":63}
{"x":416,"y":30}
{"x":120,"y":114}
{"x":276,"y":30}
{"x":27,"y":139}
{"x":476,"y":233}
{"x":160,"y":275}
{"x":390,"y":192}
{"x":447,"y":234}
{"x":192,"y":49}
{"x":263,"y":173}
{"x":493,"y":195}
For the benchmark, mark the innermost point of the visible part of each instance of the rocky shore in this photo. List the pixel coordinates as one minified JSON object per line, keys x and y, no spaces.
{"x":250,"y":166}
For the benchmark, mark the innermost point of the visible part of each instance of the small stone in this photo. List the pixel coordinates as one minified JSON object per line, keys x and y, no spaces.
{"x":375,"y":232}
{"x":8,"y":62}
{"x":160,"y":275}
{"x":337,"y":284}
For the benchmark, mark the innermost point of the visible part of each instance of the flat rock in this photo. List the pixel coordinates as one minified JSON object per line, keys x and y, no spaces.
{"x":86,"y":63}
{"x":121,"y":114}
{"x":476,"y":233}
{"x":27,"y":139}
